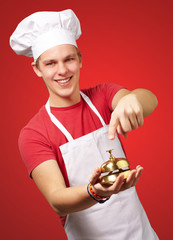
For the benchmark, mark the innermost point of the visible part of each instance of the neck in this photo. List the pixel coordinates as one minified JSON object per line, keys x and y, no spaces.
{"x":64,"y":102}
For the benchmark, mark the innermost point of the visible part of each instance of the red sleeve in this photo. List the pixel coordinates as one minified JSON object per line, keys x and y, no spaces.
{"x":109,"y":90}
{"x":104,"y":91}
{"x":34,"y":148}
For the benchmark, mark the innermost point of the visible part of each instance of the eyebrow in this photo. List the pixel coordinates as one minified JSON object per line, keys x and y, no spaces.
{"x":71,"y":55}
{"x":52,"y":59}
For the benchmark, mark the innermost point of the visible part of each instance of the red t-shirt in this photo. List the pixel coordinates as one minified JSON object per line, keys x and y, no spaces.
{"x":40,"y":139}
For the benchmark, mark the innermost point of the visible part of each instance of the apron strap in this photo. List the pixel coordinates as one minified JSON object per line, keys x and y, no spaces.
{"x":88,"y":101}
{"x":58,"y":123}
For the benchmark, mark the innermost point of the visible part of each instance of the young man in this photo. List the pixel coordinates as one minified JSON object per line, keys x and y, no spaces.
{"x":66,"y":142}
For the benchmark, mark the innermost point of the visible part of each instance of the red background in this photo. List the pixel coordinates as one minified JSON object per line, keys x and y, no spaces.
{"x":124,"y":41}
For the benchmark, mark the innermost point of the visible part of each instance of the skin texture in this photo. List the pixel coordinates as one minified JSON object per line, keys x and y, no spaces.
{"x":56,"y":66}
{"x":60,"y":69}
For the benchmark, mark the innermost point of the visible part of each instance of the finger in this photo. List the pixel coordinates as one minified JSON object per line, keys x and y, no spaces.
{"x":120,"y":131}
{"x":138,"y":174}
{"x":133,"y":121}
{"x":139,"y":117}
{"x":140,"y":120}
{"x":130,"y":180}
{"x":116,"y":187}
{"x":113,"y":127}
{"x":125,"y":124}
{"x":94,"y":176}
{"x":139,"y":167}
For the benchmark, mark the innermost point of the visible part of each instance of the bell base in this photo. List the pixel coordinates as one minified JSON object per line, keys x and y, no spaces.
{"x":125,"y":173}
{"x":111,"y":178}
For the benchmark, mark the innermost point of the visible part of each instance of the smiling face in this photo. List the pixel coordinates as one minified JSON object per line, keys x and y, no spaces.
{"x":60,"y":69}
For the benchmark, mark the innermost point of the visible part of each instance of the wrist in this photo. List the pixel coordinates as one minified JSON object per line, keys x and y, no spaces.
{"x":96,"y":197}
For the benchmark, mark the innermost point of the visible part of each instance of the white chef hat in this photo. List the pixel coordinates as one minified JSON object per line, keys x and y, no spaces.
{"x":43,"y":30}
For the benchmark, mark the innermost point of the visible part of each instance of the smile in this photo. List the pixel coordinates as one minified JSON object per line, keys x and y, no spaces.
{"x":63,"y":80}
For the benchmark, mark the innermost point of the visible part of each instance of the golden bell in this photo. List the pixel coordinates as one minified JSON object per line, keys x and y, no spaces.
{"x":114,"y":167}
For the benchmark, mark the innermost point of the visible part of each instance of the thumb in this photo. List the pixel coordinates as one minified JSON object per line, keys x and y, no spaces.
{"x":95,"y":175}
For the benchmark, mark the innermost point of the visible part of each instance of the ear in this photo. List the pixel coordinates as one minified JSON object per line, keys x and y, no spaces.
{"x":80,"y":62}
{"x":36,"y":69}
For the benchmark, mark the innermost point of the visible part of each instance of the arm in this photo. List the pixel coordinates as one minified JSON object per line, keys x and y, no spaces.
{"x":129,"y":109}
{"x":63,"y":200}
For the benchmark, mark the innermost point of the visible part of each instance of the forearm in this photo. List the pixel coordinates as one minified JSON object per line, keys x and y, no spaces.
{"x":73,"y":199}
{"x":63,"y":200}
{"x":147,"y":100}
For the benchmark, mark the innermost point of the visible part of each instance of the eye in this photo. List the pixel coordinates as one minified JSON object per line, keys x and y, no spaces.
{"x":69,"y":59}
{"x":50,"y":63}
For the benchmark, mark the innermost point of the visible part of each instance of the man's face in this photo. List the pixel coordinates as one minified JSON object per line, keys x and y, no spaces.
{"x":60,"y":69}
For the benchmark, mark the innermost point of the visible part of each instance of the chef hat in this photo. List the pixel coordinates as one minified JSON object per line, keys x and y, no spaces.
{"x":43,"y":30}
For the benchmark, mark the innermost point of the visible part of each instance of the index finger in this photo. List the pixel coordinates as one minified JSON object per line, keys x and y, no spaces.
{"x":113,"y":127}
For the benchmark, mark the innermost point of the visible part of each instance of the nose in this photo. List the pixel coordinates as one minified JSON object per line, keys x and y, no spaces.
{"x":62,"y":69}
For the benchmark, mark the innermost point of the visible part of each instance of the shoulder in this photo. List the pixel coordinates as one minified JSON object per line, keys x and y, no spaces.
{"x":35,"y":127}
{"x":102,"y":93}
{"x":38,"y":120}
{"x":103,"y":89}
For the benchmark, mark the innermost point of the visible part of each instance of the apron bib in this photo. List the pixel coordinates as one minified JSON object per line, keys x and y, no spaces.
{"x":122,"y":217}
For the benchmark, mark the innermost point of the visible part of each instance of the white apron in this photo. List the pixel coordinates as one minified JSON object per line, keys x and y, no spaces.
{"x":122,"y":217}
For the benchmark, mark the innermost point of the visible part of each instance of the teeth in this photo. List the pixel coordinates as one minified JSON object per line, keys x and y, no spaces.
{"x":64,"y":81}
